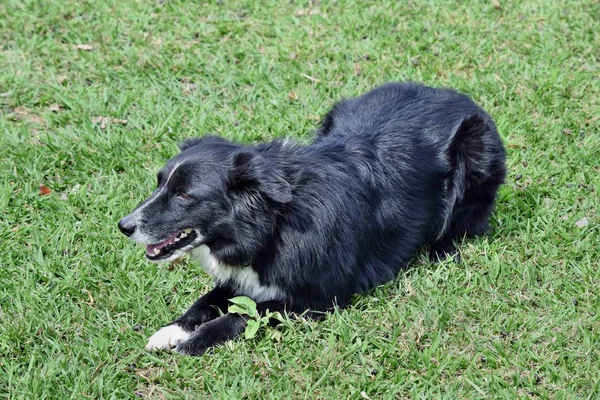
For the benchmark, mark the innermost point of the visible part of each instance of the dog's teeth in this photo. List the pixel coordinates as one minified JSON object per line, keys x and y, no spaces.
{"x":156,"y":252}
{"x":183,"y":235}
{"x":176,"y":239}
{"x":187,"y":231}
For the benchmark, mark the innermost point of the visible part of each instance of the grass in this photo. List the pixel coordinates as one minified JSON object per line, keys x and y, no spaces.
{"x":94,"y":97}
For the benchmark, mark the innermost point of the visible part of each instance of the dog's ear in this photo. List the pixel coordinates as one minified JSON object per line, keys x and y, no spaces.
{"x":251,"y":170}
{"x":186,"y":144}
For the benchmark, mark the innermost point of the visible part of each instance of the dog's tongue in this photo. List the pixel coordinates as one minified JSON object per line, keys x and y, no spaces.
{"x":151,"y":247}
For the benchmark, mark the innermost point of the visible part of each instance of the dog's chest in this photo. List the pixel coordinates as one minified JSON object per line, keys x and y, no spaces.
{"x":245,"y":280}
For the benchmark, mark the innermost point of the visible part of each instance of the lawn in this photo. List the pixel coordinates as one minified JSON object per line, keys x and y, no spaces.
{"x":95,"y":96}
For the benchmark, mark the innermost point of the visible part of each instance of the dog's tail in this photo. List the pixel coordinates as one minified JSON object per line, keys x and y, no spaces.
{"x":476,"y":155}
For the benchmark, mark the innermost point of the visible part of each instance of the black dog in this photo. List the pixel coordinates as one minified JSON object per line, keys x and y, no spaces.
{"x":300,"y":228}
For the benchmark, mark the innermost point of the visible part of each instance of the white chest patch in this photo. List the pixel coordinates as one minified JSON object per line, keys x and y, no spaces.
{"x":245,"y":279}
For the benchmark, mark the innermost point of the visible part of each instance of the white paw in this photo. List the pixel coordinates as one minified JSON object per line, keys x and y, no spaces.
{"x":167,"y":338}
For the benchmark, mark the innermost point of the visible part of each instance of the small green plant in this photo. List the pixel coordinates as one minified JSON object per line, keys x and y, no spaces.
{"x":243,"y":305}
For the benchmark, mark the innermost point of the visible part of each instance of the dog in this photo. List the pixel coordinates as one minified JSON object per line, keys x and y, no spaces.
{"x":303,"y":228}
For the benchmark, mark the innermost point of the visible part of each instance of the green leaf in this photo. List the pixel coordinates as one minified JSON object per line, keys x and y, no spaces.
{"x":245,"y":302}
{"x":276,"y":315}
{"x":235,"y":309}
{"x":251,"y":329}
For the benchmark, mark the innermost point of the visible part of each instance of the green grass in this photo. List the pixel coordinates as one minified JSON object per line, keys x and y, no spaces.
{"x":520,"y":317}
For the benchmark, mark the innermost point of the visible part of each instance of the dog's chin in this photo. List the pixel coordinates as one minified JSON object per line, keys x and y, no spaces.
{"x":174,"y":247}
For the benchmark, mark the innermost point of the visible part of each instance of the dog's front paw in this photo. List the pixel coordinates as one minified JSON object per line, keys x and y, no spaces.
{"x":195,"y":346}
{"x":212,"y":333}
{"x":167,"y":338}
{"x":200,"y":341}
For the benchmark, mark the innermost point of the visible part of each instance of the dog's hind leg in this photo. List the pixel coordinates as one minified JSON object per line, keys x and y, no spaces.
{"x":469,"y":218}
{"x":477,"y":161}
{"x":442,"y":249}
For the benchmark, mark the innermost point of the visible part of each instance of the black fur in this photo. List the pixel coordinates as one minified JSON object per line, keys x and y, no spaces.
{"x":399,"y":168}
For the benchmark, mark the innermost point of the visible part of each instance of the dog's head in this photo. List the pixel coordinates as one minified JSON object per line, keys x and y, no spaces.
{"x":202,"y":193}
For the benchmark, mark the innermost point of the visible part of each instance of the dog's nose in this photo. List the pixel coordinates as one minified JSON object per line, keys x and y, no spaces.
{"x":127,"y":226}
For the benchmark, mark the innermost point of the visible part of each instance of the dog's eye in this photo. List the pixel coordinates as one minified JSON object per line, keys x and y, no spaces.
{"x":183,"y":195}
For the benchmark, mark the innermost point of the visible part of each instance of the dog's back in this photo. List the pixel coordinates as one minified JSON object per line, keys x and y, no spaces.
{"x":427,"y":134}
{"x":399,"y":167}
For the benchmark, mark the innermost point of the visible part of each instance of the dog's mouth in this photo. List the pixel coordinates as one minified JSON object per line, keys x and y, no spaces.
{"x":166,"y":248}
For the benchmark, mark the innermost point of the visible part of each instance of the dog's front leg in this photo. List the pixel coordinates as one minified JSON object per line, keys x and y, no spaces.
{"x":203,"y":310}
{"x":221,"y":329}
